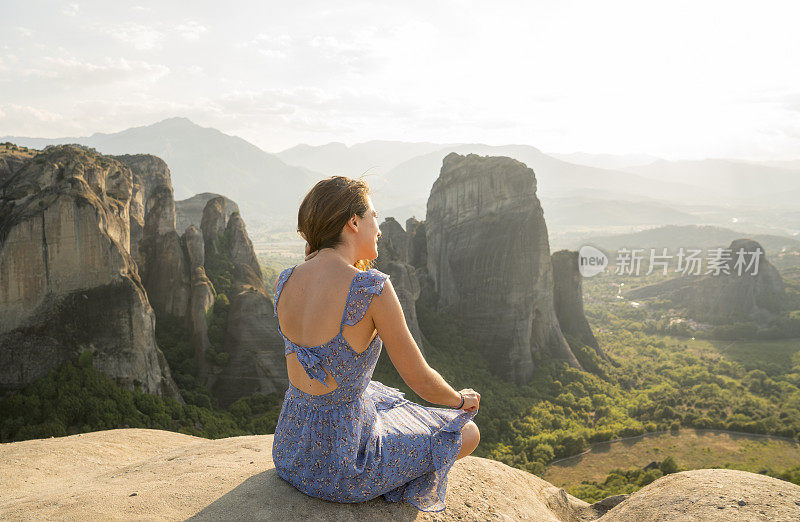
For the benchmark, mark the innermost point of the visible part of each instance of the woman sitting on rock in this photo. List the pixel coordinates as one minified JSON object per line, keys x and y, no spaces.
{"x":340,"y":435}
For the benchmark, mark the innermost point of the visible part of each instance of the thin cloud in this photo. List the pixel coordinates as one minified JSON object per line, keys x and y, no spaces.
{"x":191,"y":30}
{"x":70,"y":10}
{"x":139,"y":36}
{"x":72,"y":72}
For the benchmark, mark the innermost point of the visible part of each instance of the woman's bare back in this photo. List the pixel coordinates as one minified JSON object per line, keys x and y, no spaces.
{"x":310,"y":310}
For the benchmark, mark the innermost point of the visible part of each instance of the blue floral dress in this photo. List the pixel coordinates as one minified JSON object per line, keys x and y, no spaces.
{"x":363,"y":439}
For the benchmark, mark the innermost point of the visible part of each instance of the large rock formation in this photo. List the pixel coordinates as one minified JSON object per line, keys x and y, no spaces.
{"x":395,"y":250}
{"x":201,"y":299}
{"x":739,"y":292}
{"x":68,"y":282}
{"x":212,"y":224}
{"x":489,"y":258}
{"x":90,"y":256}
{"x":255,"y":348}
{"x":190,"y":211}
{"x":165,"y":274}
{"x":568,"y":299}
{"x":145,"y":474}
{"x":149,"y":173}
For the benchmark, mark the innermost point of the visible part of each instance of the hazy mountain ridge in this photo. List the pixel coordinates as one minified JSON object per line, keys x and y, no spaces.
{"x":203,"y":159}
{"x":674,"y":237}
{"x":605,"y":161}
{"x":374,"y":157}
{"x":738,"y":181}
{"x":577,"y":199}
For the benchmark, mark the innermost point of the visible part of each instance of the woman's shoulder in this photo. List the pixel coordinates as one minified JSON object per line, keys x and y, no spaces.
{"x":371,"y":280}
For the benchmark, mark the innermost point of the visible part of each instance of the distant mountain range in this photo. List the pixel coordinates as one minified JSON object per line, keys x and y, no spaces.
{"x":736,"y":181}
{"x":578,"y":191}
{"x":674,"y":237}
{"x":606,"y":161}
{"x":203,"y":159}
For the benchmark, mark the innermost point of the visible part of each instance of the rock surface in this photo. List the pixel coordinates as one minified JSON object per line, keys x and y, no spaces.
{"x":394,"y":258}
{"x":152,"y":474}
{"x":190,"y":211}
{"x":711,"y":494}
{"x":12,"y":157}
{"x":147,"y":474}
{"x":165,"y":273}
{"x":212,"y":224}
{"x":149,"y":173}
{"x":257,"y":363}
{"x":568,"y":299}
{"x":68,"y":282}
{"x":488,"y":256}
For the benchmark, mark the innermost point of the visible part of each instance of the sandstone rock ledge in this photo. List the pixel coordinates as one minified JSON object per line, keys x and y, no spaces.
{"x":159,"y":475}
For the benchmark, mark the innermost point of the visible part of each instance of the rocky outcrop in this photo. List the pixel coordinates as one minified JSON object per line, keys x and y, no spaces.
{"x":12,"y":157}
{"x":145,"y":474}
{"x":417,"y":246}
{"x":155,"y":243}
{"x":201,"y":302}
{"x":255,"y":349}
{"x":488,"y":256}
{"x":739,"y":292}
{"x":395,"y":250}
{"x":711,"y":494}
{"x":68,"y":282}
{"x":190,"y":211}
{"x":568,"y":299}
{"x":149,"y":173}
{"x":212,"y":224}
{"x":257,"y":362}
{"x":165,"y":273}
{"x":195,"y":247}
{"x":240,"y":247}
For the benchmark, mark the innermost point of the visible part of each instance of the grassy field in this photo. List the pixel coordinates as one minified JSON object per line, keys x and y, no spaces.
{"x":770,"y":356}
{"x":691,"y":448}
{"x":773,"y":357}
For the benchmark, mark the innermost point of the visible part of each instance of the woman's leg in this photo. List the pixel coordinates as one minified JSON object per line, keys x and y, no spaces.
{"x":470,"y":436}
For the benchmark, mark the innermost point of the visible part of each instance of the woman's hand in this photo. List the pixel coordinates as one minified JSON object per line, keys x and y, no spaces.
{"x":472,"y":399}
{"x":310,"y":254}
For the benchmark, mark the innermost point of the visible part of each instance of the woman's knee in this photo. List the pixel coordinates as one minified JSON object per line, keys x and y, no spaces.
{"x":470,"y":436}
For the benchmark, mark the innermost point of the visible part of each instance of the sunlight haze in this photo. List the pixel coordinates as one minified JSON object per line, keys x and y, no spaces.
{"x":677,"y":80}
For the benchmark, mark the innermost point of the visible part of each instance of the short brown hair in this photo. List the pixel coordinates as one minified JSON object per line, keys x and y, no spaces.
{"x":326,"y":209}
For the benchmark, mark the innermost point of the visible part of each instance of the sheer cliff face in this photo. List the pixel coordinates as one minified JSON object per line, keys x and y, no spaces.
{"x":568,"y":299}
{"x":155,"y":243}
{"x":395,"y":250}
{"x":190,"y":211}
{"x":489,"y":258}
{"x":256,"y":349}
{"x":67,"y":279}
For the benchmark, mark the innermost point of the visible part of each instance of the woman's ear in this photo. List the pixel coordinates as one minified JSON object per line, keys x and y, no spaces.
{"x":353,"y":222}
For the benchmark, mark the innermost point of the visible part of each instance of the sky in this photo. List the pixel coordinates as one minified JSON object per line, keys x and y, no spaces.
{"x":678,"y":80}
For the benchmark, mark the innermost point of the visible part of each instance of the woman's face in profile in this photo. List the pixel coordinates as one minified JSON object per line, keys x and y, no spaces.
{"x":368,"y":233}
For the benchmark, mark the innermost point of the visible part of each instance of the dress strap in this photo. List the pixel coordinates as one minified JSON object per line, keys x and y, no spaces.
{"x":282,"y":277}
{"x":365,"y":285}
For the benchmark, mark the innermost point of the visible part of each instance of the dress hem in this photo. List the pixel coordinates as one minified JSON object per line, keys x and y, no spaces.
{"x":444,"y":451}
